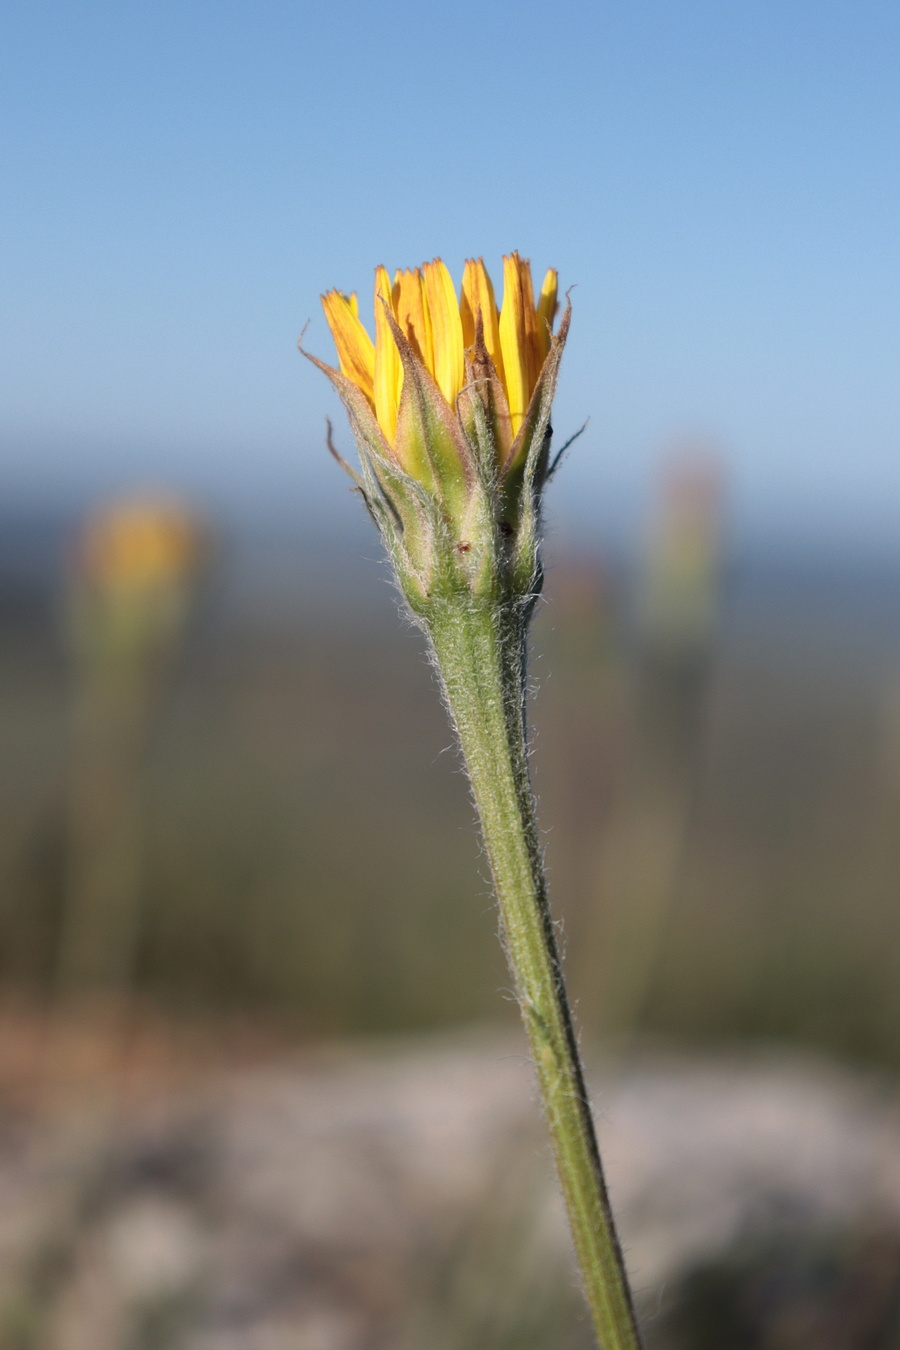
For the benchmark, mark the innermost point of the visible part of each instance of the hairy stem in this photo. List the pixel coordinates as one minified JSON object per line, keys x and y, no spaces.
{"x":480,"y":647}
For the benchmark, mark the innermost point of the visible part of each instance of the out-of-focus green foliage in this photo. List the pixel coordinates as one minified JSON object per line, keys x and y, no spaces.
{"x":294,"y":746}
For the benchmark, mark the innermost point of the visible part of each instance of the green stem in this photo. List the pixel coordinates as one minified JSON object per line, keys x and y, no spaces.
{"x":480,"y":653}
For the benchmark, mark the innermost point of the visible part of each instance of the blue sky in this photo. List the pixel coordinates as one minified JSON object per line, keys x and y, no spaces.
{"x":719,"y":180}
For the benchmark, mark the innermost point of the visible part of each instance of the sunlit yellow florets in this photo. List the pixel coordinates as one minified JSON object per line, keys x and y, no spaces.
{"x":441,"y":328}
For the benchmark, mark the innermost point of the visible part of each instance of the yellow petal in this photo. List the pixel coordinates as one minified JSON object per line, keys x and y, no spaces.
{"x":517,"y":336}
{"x":478,"y":297}
{"x":388,"y":369}
{"x":446,"y":330}
{"x":546,"y":313}
{"x":355,"y":349}
{"x":411,"y":309}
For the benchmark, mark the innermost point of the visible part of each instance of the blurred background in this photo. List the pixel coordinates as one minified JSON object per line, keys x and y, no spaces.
{"x":247,"y":946}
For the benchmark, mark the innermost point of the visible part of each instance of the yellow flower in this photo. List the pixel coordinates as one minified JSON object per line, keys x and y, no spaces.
{"x":442,"y":330}
{"x":139,"y":544}
{"x":450,"y":409}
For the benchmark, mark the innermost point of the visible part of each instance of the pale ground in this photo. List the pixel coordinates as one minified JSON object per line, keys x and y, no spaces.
{"x":395,"y":1193}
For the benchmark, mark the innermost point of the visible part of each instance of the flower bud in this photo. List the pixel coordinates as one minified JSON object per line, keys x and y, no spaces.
{"x":450,"y":408}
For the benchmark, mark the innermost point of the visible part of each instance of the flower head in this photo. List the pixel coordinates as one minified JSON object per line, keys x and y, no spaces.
{"x":133,"y":573}
{"x":450,"y":405}
{"x":442,"y":329}
{"x":139,"y":544}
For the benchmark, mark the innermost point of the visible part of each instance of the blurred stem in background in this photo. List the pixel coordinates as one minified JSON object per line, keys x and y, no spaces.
{"x":128,"y":598}
{"x":642,"y":851}
{"x":129,"y":595}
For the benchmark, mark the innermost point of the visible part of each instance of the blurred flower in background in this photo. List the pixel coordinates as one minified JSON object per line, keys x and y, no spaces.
{"x":132,"y":578}
{"x":679,"y":585}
